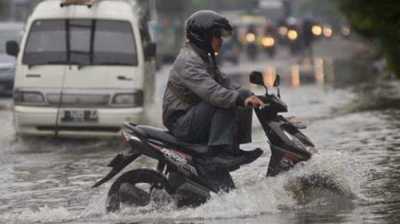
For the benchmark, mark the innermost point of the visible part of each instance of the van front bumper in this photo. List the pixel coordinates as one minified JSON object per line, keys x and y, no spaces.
{"x":48,"y":121}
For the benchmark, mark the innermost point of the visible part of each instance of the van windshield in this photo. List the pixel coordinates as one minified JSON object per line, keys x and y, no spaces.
{"x":81,"y":42}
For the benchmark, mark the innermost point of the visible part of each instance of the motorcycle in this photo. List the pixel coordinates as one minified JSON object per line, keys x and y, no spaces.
{"x":268,"y":42}
{"x":251,"y":45}
{"x":184,"y":172}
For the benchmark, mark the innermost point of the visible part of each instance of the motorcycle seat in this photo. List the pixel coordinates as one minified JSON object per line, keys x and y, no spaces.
{"x":165,"y":136}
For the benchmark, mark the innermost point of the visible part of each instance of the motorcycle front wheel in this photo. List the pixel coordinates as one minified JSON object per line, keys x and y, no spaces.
{"x":134,"y":188}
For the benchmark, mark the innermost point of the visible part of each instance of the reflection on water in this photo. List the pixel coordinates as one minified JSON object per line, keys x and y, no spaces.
{"x":319,"y":66}
{"x":295,"y":75}
{"x":307,"y":72}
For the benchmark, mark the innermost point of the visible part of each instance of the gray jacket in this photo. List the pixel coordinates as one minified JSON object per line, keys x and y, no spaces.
{"x":193,"y":78}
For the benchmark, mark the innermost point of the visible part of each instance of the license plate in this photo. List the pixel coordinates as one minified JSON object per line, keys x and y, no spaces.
{"x":79,"y":116}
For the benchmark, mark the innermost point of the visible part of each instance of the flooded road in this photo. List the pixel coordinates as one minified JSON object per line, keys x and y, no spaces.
{"x":49,"y":181}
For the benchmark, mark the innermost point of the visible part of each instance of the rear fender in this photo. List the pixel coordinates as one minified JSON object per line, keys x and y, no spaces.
{"x":118,"y":163}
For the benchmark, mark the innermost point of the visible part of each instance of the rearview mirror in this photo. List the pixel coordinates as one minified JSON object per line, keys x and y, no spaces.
{"x":256,"y":77}
{"x":277,"y":81}
{"x":150,"y":51}
{"x":12,"y":48}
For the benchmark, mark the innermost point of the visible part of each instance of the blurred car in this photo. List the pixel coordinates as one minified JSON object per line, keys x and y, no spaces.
{"x":7,"y":74}
{"x":251,"y":41}
{"x":294,"y":36}
{"x":8,"y":31}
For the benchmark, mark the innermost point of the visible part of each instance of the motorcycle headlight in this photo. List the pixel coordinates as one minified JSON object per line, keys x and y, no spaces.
{"x":346,"y":31}
{"x":28,"y":98}
{"x":292,"y":34}
{"x":250,"y":37}
{"x":134,"y":99}
{"x":268,"y":41}
{"x":328,"y":32}
{"x":316,"y":30}
{"x":283,"y":30}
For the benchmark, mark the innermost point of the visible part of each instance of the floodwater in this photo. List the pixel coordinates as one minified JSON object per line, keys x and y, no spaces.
{"x":49,"y":181}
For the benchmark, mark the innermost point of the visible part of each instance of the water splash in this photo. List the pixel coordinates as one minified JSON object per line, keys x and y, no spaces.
{"x":334,"y":173}
{"x":256,"y":195}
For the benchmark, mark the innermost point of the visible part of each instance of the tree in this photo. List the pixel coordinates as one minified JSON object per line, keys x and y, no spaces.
{"x":379,"y":20}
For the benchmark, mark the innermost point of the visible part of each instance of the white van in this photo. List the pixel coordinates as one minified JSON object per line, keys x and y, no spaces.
{"x":82,"y":68}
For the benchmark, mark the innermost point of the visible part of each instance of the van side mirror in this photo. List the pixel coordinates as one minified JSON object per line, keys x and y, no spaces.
{"x":150,"y":51}
{"x":12,"y":48}
{"x":257,"y":78}
{"x":277,"y":81}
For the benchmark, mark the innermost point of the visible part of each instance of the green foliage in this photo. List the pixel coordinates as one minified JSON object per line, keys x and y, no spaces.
{"x":377,"y":20}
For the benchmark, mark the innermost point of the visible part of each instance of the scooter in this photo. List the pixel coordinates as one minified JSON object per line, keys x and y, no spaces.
{"x":183,"y":170}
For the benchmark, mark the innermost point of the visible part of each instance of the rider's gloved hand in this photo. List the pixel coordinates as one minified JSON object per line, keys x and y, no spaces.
{"x":243,"y":95}
{"x":254,"y":101}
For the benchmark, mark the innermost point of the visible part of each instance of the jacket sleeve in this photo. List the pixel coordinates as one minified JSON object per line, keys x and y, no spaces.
{"x":243,"y":93}
{"x":195,"y":77}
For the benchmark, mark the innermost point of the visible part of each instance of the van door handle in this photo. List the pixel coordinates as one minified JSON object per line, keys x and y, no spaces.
{"x":121,"y":77}
{"x":32,"y":75}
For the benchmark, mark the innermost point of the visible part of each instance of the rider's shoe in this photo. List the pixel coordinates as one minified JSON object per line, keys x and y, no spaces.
{"x":250,"y":155}
{"x":232,"y":161}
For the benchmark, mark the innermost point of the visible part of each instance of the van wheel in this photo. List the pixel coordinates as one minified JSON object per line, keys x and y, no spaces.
{"x":135,"y":188}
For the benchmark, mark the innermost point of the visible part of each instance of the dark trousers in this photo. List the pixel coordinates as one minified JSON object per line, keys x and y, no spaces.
{"x":216,"y":127}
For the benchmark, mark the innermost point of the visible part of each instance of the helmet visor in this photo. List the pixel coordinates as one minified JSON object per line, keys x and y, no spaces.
{"x":226,"y":33}
{"x":222,"y":33}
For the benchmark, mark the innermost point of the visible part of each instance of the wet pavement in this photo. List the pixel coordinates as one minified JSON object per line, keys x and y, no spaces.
{"x":49,"y":181}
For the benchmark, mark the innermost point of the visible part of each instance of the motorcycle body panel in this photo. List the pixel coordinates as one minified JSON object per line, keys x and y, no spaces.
{"x":288,"y":144}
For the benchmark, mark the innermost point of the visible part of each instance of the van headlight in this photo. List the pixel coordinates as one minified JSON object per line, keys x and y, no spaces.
{"x":134,"y":99}
{"x":28,"y":98}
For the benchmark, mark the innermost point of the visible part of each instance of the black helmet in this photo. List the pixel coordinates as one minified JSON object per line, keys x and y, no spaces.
{"x":202,"y":25}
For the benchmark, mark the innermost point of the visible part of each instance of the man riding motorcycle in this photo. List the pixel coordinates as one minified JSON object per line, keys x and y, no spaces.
{"x":202,"y":107}
{"x":200,"y":104}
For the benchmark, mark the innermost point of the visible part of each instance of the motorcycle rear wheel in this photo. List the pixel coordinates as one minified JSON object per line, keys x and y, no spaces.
{"x":129,"y":189}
